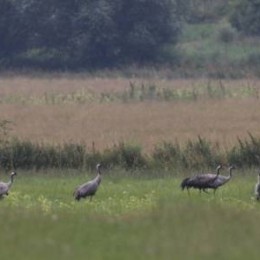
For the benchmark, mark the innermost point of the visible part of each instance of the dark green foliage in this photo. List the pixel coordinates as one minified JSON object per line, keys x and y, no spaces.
{"x":246,"y":17}
{"x":247,"y":153}
{"x":199,"y":11}
{"x":12,"y":31}
{"x":168,"y":155}
{"x":126,"y":155}
{"x":146,"y":25}
{"x":27,"y":155}
{"x":226,"y":34}
{"x":109,"y":32}
{"x":76,"y":34}
{"x":195,"y":154}
{"x":199,"y":153}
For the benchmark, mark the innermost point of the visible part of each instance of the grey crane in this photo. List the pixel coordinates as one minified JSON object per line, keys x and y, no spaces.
{"x":221,"y":180}
{"x":200,"y":181}
{"x":5,"y":186}
{"x":257,"y":187}
{"x":89,"y":188}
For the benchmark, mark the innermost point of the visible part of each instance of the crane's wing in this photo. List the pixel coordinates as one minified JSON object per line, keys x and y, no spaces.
{"x":3,"y":188}
{"x":220,"y":180}
{"x":86,"y":189}
{"x":203,"y":177}
{"x":89,"y":189}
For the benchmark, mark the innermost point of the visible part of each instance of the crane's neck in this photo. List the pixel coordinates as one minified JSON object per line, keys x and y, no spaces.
{"x":230,"y":173}
{"x":98,"y":177}
{"x":11,"y":181}
{"x":218,"y":171}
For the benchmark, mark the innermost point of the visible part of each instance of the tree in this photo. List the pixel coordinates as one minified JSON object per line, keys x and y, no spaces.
{"x":48,"y":22}
{"x":246,"y":17}
{"x":145,"y":26}
{"x":12,"y":33}
{"x":88,"y":33}
{"x":94,"y":38}
{"x":114,"y":31}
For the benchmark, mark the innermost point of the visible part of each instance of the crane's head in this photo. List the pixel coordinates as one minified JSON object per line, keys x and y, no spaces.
{"x":219,"y":167}
{"x":98,"y":166}
{"x":13,"y":174}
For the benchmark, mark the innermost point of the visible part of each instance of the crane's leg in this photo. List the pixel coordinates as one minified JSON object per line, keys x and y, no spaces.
{"x":204,"y":190}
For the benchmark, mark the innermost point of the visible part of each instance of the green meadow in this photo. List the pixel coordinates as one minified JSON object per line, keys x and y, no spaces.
{"x":130,"y":217}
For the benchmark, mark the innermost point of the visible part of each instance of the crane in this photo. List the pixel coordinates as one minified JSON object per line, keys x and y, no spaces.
{"x":89,"y":188}
{"x":5,"y":186}
{"x":200,"y":181}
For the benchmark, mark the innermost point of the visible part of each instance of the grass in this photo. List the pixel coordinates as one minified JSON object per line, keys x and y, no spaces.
{"x":129,"y":218}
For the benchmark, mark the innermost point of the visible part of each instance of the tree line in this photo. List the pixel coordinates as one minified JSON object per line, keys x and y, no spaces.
{"x":71,"y":34}
{"x":86,"y":33}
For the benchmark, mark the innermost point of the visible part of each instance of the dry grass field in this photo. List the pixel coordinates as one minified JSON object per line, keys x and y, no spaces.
{"x":145,"y":122}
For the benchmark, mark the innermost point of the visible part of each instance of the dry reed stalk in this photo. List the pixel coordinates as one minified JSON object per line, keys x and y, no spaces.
{"x":38,"y":86}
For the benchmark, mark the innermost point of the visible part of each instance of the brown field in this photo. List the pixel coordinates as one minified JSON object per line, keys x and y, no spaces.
{"x":146,"y":123}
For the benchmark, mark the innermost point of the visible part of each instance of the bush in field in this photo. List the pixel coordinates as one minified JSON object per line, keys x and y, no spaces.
{"x":167,"y":155}
{"x":199,"y":153}
{"x":246,"y":153}
{"x":226,"y":34}
{"x":28,"y":155}
{"x":127,"y":156}
{"x":195,"y":154}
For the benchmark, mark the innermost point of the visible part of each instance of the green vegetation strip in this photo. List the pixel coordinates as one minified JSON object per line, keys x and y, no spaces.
{"x":128,"y":218}
{"x":195,"y":154}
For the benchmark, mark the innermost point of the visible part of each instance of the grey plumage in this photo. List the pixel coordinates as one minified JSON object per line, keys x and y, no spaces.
{"x":200,"y":181}
{"x":89,"y":188}
{"x":221,"y":180}
{"x":5,"y":186}
{"x":257,"y":187}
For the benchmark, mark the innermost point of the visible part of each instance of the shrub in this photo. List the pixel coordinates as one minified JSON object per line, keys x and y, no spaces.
{"x":226,"y":34}
{"x":246,"y":153}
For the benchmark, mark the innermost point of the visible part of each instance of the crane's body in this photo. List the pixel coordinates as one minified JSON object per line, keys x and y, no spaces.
{"x":257,"y":188}
{"x":200,"y":181}
{"x":5,"y":186}
{"x":89,"y":188}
